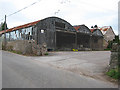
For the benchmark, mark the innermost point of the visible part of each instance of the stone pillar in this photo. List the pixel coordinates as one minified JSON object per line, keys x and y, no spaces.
{"x":114,"y":56}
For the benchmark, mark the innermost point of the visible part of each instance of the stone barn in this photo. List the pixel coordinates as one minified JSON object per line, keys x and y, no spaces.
{"x":55,"y":32}
{"x":83,"y":37}
{"x":97,"y":39}
{"x":58,"y":34}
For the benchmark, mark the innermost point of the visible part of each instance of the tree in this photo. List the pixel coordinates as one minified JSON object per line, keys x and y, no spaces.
{"x":116,"y":40}
{"x":3,"y":26}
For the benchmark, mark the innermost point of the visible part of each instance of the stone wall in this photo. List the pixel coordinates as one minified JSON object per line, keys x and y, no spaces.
{"x":115,"y":56}
{"x":27,"y":47}
{"x":105,"y":44}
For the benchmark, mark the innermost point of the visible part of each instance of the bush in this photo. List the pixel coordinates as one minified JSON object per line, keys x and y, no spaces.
{"x":10,"y":48}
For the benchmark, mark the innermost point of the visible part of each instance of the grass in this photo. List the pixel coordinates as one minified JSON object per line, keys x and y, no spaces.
{"x":108,"y":49}
{"x":46,"y":53}
{"x":114,"y":73}
{"x":17,"y":52}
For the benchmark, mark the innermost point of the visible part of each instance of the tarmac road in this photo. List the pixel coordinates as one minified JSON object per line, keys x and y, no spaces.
{"x":23,"y":72}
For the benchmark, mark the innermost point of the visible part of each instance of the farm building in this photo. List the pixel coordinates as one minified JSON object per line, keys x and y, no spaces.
{"x":83,"y":37}
{"x":108,"y":33}
{"x":54,"y":32}
{"x":89,"y":38}
{"x":97,"y":39}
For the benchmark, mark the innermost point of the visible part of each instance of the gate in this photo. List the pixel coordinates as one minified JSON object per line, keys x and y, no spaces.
{"x":65,"y":40}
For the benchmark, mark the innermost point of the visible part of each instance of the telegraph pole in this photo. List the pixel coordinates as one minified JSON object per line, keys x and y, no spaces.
{"x":5,"y":33}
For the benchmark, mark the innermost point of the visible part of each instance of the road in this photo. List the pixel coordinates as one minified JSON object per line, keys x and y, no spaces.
{"x":24,"y":72}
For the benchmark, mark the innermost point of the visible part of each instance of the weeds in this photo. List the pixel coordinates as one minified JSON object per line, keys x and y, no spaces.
{"x":114,"y":73}
{"x":46,"y":53}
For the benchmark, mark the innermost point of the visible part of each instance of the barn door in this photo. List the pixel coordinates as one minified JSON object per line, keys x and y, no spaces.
{"x":65,"y":40}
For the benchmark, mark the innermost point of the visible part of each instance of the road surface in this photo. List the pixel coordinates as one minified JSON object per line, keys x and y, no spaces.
{"x":23,"y":72}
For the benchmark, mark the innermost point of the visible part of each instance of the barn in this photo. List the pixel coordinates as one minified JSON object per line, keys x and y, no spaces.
{"x":59,"y":34}
{"x":56,"y":33}
{"x":83,"y":37}
{"x":89,"y":39}
{"x":97,"y":39}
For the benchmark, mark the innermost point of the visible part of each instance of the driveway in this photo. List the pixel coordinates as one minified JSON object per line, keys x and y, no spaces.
{"x":88,"y":63}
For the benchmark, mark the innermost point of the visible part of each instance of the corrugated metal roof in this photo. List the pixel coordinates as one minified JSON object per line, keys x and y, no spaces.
{"x":21,"y":26}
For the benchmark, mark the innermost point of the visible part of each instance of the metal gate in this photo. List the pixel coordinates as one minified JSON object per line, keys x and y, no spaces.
{"x":65,"y":40}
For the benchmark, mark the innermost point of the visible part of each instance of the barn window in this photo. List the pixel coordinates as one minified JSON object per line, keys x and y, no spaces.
{"x":7,"y":36}
{"x":59,"y":25}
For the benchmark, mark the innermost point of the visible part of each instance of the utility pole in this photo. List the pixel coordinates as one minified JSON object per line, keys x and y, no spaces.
{"x":5,"y":34}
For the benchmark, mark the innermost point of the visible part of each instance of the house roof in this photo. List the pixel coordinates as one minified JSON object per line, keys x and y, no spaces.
{"x":105,"y":29}
{"x":21,"y":26}
{"x":92,"y":30}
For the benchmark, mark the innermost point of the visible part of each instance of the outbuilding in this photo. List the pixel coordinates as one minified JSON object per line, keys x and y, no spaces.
{"x":97,"y":39}
{"x":55,"y":34}
{"x":83,"y":37}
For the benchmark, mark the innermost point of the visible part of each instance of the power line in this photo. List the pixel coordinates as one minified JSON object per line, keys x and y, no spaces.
{"x":62,"y":2}
{"x":21,"y":9}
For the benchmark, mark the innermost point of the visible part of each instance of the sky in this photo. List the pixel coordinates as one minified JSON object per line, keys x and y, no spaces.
{"x":76,"y":12}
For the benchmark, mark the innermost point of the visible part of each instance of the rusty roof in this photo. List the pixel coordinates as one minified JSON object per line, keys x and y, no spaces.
{"x":104,"y":29}
{"x":21,"y":26}
{"x":92,"y":30}
{"x":76,"y":27}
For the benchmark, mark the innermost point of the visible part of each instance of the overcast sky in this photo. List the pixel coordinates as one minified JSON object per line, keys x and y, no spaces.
{"x":77,"y":12}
